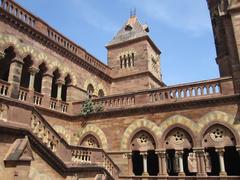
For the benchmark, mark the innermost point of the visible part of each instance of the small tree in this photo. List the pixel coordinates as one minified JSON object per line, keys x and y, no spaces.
{"x":87,"y":107}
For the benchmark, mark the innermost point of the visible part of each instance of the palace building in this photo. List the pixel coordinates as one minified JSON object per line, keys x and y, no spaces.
{"x":66,"y":115}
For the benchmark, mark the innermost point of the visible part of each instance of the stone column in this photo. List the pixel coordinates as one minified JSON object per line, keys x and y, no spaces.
{"x":2,"y":55}
{"x":33,"y":71}
{"x":162,"y":163}
{"x":46,"y":89}
{"x":144,"y":155}
{"x":201,"y":165}
{"x":179,"y":154}
{"x":59,"y":83}
{"x":14,"y":77}
{"x":130,"y":165}
{"x":220,"y":152}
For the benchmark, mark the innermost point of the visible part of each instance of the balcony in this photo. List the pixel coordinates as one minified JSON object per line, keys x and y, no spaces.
{"x":166,"y":95}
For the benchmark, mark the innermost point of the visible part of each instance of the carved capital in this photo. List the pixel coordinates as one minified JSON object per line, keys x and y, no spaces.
{"x":220,"y":151}
{"x":60,"y":82}
{"x":129,"y":155}
{"x":2,"y":55}
{"x":161,"y":153}
{"x":33,"y":70}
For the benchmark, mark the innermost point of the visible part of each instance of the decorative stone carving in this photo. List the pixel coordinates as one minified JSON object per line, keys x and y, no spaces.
{"x":90,"y":141}
{"x":143,"y":141}
{"x":217,"y":134}
{"x":178,"y":139}
{"x":43,"y":133}
{"x":3,"y":112}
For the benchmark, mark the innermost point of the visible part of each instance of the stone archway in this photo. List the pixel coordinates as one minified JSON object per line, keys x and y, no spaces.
{"x":142,"y":124}
{"x":91,"y":129}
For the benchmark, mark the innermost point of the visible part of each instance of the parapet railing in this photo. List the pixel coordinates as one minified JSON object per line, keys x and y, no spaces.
{"x":170,"y":94}
{"x":74,"y":156}
{"x":4,"y":88}
{"x":39,"y":25}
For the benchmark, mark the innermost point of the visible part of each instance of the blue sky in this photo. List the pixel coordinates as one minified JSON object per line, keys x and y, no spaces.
{"x":180,"y":28}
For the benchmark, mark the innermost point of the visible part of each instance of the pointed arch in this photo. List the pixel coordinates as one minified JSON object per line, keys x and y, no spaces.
{"x":94,"y":130}
{"x":215,"y":116}
{"x":178,"y":119}
{"x":141,"y":124}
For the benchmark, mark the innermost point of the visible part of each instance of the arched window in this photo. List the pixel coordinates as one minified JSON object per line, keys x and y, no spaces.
{"x":65,"y":86}
{"x":143,"y":151}
{"x":25,"y":77}
{"x":90,"y":90}
{"x":90,"y":141}
{"x":39,"y":76}
{"x":179,"y":145}
{"x":56,"y":76}
{"x":101,"y":93}
{"x":5,"y":63}
{"x":220,"y":143}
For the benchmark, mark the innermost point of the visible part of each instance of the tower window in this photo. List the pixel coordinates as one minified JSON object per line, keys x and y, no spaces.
{"x":127,"y":60}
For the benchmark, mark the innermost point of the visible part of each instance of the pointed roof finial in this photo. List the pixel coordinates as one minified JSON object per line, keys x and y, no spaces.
{"x":132,"y":12}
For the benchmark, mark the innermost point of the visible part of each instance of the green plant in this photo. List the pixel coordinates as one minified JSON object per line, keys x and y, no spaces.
{"x":89,"y":107}
{"x":98,"y":107}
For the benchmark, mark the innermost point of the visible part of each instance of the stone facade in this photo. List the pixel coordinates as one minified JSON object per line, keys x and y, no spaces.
{"x":66,"y":115}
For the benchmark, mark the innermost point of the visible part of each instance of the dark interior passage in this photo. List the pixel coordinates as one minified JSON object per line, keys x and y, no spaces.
{"x":5,"y":64}
{"x":25,"y":77}
{"x":56,"y":75}
{"x":170,"y":162}
{"x":214,"y":162}
{"x":152,"y":163}
{"x":39,"y":77}
{"x":65,"y":87}
{"x":232,"y":161}
{"x":137,"y":161}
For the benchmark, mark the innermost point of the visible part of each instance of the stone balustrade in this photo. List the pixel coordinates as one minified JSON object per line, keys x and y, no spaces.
{"x":53,"y":104}
{"x":19,"y":12}
{"x":169,"y":94}
{"x":4,"y":88}
{"x":39,"y":25}
{"x":23,"y":94}
{"x":44,"y":133}
{"x":37,"y":99}
{"x":184,"y":91}
{"x":78,"y":155}
{"x":81,"y":156}
{"x":115,"y":102}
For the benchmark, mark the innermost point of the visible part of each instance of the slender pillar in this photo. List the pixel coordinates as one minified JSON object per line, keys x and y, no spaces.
{"x":130,"y":165}
{"x":162,"y":163}
{"x":33,"y":71}
{"x":180,"y":161}
{"x":59,"y":83}
{"x":14,"y":77}
{"x":46,"y":89}
{"x":220,"y":152}
{"x":201,"y":165}
{"x":2,"y":55}
{"x":144,"y":155}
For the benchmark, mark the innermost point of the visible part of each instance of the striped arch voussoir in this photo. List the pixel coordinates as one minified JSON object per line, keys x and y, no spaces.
{"x":217,"y":116}
{"x":93,"y":129}
{"x":178,"y":119}
{"x":138,"y":124}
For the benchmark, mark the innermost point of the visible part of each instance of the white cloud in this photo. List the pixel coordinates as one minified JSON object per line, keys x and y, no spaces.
{"x":188,"y":15}
{"x":91,"y":14}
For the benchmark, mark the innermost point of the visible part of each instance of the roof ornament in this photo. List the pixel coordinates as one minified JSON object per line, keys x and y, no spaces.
{"x":133,"y":12}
